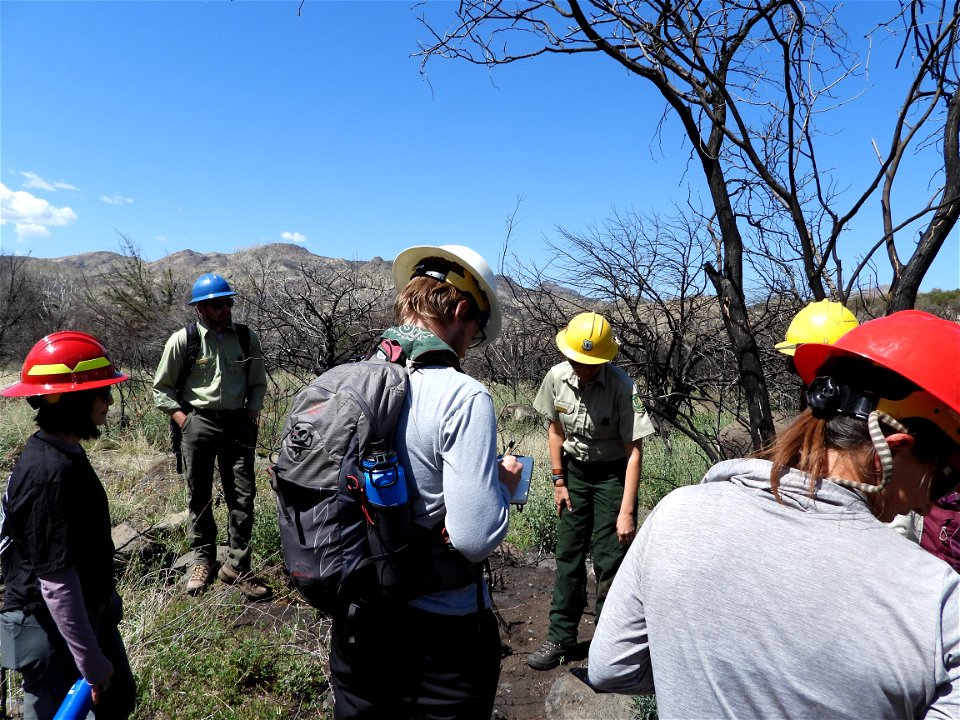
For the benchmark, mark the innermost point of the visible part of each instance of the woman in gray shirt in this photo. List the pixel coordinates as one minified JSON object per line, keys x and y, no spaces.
{"x":774,"y":589}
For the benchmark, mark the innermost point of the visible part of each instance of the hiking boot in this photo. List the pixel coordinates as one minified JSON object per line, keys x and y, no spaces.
{"x":548,"y":655}
{"x":253,"y":587}
{"x":200,"y":576}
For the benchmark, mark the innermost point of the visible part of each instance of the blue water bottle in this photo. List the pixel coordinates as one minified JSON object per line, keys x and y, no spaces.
{"x":388,"y":531}
{"x":78,"y":702}
{"x":386,"y":485}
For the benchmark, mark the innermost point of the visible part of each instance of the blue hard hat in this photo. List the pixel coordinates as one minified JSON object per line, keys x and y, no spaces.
{"x":209,"y":286}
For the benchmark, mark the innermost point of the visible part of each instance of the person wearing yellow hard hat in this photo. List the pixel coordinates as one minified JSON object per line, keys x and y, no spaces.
{"x":825,"y":321}
{"x":60,"y":603}
{"x":597,"y":423}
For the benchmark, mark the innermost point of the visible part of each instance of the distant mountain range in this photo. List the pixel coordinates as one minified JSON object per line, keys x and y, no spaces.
{"x":191,"y":263}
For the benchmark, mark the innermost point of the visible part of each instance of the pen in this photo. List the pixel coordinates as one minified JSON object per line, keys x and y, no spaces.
{"x":509,"y":447}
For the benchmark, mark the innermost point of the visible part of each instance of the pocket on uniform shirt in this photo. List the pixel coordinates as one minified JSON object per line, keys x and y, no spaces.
{"x":23,"y":642}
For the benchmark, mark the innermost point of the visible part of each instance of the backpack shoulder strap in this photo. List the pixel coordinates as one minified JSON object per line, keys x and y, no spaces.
{"x":189,"y":357}
{"x":243,"y":335}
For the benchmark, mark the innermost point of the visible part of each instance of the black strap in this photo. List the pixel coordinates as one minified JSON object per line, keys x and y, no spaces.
{"x":193,"y":351}
{"x":189,"y":360}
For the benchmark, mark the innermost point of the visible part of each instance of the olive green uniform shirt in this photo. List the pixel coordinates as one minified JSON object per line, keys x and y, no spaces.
{"x":598,"y":419}
{"x":219,"y":380}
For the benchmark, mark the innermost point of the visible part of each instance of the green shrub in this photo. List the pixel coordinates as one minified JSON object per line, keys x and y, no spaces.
{"x":645,"y":707}
{"x":212,"y":657}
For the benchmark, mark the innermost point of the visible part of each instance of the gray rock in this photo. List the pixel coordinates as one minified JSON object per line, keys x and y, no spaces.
{"x":519,"y":413}
{"x":130,"y":542}
{"x":571,"y":699}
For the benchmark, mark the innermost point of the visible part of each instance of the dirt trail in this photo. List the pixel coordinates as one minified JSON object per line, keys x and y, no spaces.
{"x":522,"y":593}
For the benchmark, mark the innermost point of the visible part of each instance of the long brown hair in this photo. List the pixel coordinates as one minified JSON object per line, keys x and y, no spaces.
{"x":803,"y":446}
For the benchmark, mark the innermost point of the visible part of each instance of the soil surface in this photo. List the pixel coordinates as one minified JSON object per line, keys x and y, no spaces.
{"x":522,"y":590}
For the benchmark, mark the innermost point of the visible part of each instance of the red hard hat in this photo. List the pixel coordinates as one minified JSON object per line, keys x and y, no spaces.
{"x":916,"y":345}
{"x":63,"y":362}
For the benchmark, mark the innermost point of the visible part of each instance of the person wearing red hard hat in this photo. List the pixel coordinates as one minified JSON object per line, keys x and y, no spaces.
{"x":775,"y":588}
{"x":60,"y":604}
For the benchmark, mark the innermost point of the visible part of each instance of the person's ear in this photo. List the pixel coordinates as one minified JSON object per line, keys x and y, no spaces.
{"x":901,"y":441}
{"x":462,"y":311}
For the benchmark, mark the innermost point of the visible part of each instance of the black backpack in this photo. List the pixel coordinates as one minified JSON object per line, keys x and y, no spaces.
{"x":337,"y":546}
{"x":189,"y":360}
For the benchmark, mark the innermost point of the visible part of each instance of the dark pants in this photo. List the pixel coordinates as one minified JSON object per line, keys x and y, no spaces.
{"x":35,"y":648}
{"x":393,"y":663}
{"x":229,"y":441}
{"x":596,"y":491}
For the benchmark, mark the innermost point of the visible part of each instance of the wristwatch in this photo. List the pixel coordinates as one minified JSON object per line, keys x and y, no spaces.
{"x":559,"y":480}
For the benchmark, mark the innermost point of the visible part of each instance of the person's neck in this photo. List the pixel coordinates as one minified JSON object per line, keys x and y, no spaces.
{"x":67,"y":441}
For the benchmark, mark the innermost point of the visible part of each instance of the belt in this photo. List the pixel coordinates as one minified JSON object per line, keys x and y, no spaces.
{"x":211,"y":414}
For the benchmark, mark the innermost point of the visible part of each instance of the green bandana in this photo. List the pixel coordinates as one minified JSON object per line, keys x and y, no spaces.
{"x":417,"y":342}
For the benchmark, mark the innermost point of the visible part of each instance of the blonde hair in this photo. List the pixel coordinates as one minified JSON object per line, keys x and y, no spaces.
{"x":429,"y":301}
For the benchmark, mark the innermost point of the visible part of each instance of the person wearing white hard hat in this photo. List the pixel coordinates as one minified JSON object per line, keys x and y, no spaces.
{"x":436,"y":655}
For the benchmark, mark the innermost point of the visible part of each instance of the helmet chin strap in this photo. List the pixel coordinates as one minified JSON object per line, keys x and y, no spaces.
{"x":884,"y":453}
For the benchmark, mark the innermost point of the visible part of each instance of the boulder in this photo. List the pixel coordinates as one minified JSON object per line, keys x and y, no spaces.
{"x":572,"y":699}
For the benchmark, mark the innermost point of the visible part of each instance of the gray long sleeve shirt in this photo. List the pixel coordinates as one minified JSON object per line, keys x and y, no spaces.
{"x":732,"y":605}
{"x":446,"y":441}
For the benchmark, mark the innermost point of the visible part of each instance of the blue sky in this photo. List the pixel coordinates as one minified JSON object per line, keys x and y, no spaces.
{"x":221,"y":125}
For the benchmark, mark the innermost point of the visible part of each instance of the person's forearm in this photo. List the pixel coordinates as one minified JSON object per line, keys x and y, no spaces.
{"x":64,"y":599}
{"x":555,"y":445}
{"x":631,"y":481}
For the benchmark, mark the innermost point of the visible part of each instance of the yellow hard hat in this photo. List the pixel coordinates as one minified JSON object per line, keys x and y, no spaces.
{"x":823,"y":322}
{"x":588,"y":339}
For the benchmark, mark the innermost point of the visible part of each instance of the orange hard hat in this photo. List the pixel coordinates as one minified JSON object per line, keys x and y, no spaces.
{"x":916,"y":345}
{"x":62,"y":362}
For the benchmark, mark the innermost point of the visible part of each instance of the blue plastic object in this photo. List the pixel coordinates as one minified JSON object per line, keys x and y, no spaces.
{"x":386,"y":485}
{"x":209,"y":286}
{"x":78,"y":702}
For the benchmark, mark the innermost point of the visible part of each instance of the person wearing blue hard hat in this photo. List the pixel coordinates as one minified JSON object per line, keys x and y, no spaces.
{"x":209,"y":286}
{"x":211,"y":382}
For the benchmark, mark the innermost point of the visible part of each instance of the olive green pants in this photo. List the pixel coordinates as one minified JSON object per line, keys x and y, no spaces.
{"x":596,"y":492}
{"x":228,"y":441}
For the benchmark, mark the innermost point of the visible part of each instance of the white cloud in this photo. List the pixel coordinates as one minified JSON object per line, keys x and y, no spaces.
{"x":36,"y":182}
{"x":31,"y":216}
{"x":116,"y":199}
{"x":293,"y":237}
{"x":31,"y":231}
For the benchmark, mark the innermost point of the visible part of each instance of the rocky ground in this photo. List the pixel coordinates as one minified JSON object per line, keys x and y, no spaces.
{"x":523,"y":586}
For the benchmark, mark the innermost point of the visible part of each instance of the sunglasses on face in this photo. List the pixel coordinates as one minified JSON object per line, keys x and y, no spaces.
{"x":220,"y":303}
{"x":104,"y":393}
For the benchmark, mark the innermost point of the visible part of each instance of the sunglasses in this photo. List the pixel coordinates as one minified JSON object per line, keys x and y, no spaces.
{"x":220,"y":303}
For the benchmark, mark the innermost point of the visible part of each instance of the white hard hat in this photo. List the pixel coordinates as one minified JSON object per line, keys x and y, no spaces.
{"x":482,"y":278}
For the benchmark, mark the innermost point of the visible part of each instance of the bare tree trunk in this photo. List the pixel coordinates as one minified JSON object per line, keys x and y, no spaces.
{"x":903,"y":291}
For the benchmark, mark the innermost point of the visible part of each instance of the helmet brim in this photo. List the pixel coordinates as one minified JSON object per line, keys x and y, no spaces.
{"x":22,"y":389}
{"x":212,"y":296}
{"x":406,"y":262}
{"x":786,"y":347}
